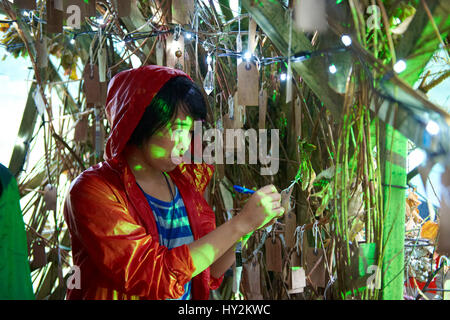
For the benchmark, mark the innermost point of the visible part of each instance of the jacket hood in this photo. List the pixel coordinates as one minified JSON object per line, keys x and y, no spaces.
{"x":129,"y":94}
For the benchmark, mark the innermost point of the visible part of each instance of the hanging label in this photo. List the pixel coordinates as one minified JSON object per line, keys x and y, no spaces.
{"x":76,"y":11}
{"x":39,"y":256}
{"x":248,"y":84}
{"x":175,"y":52}
{"x":251,"y":279}
{"x":42,"y":53}
{"x":289,"y":81}
{"x":38,"y":101}
{"x":81,"y":129}
{"x":50,"y":194}
{"x":315,"y":266}
{"x":273,"y":254}
{"x":103,"y":93}
{"x":102,"y":64}
{"x":123,"y":7}
{"x":290,"y":220}
{"x":54,"y":17}
{"x":262,"y":101}
{"x":297,"y":280}
{"x":26,"y":4}
{"x":91,"y":84}
{"x":59,"y":5}
{"x":239,"y":113}
{"x":92,"y":10}
{"x":182,"y":11}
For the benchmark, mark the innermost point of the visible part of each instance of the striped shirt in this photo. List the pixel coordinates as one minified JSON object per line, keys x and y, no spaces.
{"x":173,"y":226}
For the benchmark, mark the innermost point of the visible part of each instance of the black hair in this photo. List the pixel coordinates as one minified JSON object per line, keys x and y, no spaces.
{"x":178,"y":92}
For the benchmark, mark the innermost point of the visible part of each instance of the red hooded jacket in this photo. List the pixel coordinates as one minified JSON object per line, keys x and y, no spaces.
{"x":113,"y":231}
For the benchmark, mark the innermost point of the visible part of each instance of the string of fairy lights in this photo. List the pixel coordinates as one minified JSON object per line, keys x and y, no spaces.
{"x":190,"y":35}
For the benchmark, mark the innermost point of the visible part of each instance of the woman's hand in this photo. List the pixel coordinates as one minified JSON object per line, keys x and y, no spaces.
{"x":262,"y":207}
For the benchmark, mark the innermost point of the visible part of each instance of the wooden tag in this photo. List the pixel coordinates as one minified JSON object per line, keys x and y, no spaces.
{"x":182,"y":11}
{"x":297,"y":280}
{"x":248,"y":84}
{"x":39,"y":256}
{"x":315,"y":266}
{"x":85,"y":10}
{"x":50,"y":194}
{"x":54,"y":18}
{"x":59,"y":5}
{"x":26,"y":4}
{"x":254,"y":296}
{"x":81,"y":129}
{"x":102,"y":64}
{"x":290,"y":220}
{"x":39,"y":101}
{"x":273,"y":254}
{"x":262,"y":101}
{"x":92,"y":84}
{"x":172,"y":47}
{"x":123,"y":7}
{"x":103,"y":93}
{"x":42,"y":53}
{"x":252,"y":280}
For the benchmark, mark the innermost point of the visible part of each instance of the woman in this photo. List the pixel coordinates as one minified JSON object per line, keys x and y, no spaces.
{"x":139,"y":224}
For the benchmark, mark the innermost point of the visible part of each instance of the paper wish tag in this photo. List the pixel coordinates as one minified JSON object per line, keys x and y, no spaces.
{"x":54,"y":16}
{"x":273,"y":254}
{"x":315,"y":266}
{"x":123,"y":7}
{"x":182,"y":11}
{"x":248,"y":84}
{"x":81,"y":129}
{"x":39,"y":256}
{"x":91,"y":85}
{"x":50,"y":194}
{"x":252,"y":277}
{"x":26,"y":4}
{"x":42,"y":53}
{"x":297,"y":280}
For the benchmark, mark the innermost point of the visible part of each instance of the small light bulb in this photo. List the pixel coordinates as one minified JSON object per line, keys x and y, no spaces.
{"x":188,"y":36}
{"x":346,"y":40}
{"x":400,"y":66}
{"x":332,"y":69}
{"x":247,"y":56}
{"x":416,"y":158}
{"x":283,"y":77}
{"x":72,"y":41}
{"x":433,"y":128}
{"x":26,"y":13}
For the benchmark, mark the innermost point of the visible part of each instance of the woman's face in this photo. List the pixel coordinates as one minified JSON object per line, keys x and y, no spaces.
{"x":164,"y":149}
